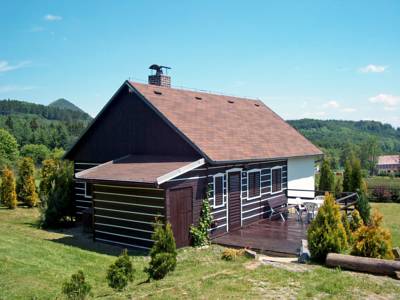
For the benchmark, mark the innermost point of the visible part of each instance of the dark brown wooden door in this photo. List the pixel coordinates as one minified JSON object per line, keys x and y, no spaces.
{"x":234,"y":209}
{"x":180,"y":201}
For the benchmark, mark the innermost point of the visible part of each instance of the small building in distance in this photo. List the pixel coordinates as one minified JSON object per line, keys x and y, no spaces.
{"x":388,"y":164}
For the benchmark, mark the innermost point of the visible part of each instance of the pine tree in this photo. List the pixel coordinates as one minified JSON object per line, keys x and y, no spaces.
{"x":326,"y":232}
{"x":356,"y":177}
{"x":364,"y":208}
{"x":347,"y":177}
{"x":8,"y":194}
{"x":163,"y":253}
{"x":327,"y":179}
{"x":26,"y":187}
{"x":47,"y":175}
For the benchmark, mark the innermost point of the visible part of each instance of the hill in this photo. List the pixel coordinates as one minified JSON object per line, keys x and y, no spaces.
{"x":51,"y":126}
{"x":65,"y":104}
{"x":336,"y":137}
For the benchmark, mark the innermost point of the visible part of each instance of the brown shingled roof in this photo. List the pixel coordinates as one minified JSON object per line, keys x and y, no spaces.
{"x":139,"y":169}
{"x":227,"y":128}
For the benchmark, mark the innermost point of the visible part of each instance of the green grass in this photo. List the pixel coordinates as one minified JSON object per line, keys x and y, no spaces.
{"x":381,"y":181}
{"x":391,"y":219}
{"x":34,"y":263}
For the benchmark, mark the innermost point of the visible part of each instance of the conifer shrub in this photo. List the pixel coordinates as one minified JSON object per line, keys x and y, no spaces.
{"x":47,"y":173}
{"x":76,"y":288}
{"x":356,"y":221}
{"x":57,"y":206}
{"x":8,"y":195}
{"x":347,"y":177}
{"x":120,"y":272}
{"x":327,"y":178}
{"x":346,"y":226}
{"x":373,"y":240}
{"x":326,"y":232}
{"x":232,"y":254}
{"x":364,"y":208}
{"x":200,"y":234}
{"x":26,"y":187}
{"x":163,"y":253}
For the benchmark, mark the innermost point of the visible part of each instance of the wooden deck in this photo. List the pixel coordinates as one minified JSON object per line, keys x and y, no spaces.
{"x":273,"y":237}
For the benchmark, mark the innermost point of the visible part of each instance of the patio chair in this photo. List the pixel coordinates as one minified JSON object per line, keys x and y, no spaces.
{"x":311,"y":209}
{"x":300,"y":208}
{"x":279,"y":206}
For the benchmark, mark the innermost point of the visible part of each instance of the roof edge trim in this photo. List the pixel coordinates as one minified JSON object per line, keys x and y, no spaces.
{"x":182,"y":170}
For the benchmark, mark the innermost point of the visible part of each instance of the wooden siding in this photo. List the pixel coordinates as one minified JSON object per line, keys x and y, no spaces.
{"x":81,"y":201}
{"x":129,"y":126}
{"x":126,"y":215}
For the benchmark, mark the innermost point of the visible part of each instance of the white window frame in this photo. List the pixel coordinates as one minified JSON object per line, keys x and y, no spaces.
{"x":223,"y":190}
{"x":85,"y":193}
{"x":248,"y":186}
{"x":280,"y":191}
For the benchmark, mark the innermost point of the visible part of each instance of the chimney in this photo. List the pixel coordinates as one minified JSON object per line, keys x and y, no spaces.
{"x":159,"y":78}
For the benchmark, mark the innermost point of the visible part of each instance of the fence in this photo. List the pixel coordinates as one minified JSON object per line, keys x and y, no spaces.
{"x":384,"y":194}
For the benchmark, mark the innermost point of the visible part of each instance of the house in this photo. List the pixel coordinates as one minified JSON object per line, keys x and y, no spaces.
{"x":388,"y":164}
{"x":154,"y":151}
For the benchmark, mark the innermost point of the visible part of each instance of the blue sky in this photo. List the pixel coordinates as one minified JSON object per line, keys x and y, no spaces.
{"x":318,"y":59}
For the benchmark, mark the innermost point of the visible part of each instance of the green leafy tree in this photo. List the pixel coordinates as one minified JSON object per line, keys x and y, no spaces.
{"x":76,"y":288}
{"x":200,"y":233}
{"x":327,"y":178}
{"x":8,"y":195}
{"x":26,"y":187}
{"x":8,"y":148}
{"x":326,"y":232}
{"x":120,"y":272}
{"x":38,"y":153}
{"x":347,"y":187}
{"x":163,"y":253}
{"x":58,"y":208}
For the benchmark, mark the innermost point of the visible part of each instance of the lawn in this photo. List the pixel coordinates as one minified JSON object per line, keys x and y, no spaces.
{"x":34,"y":263}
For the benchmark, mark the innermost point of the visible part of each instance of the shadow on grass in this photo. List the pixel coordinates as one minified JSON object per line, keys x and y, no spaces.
{"x":75,"y":237}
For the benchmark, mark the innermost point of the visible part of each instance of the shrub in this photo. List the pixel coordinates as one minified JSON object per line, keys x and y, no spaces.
{"x":356,"y":221}
{"x":57,"y":209}
{"x":26,"y":188}
{"x":326,"y":232}
{"x":76,"y":288}
{"x":231,"y":254}
{"x":47,"y":174}
{"x":120,"y":272}
{"x":200,"y":233}
{"x":356,"y":177}
{"x":8,"y":195}
{"x":347,"y":177}
{"x":163,"y":253}
{"x":346,"y":226}
{"x":364,"y":208}
{"x":373,"y":240}
{"x":338,"y":186}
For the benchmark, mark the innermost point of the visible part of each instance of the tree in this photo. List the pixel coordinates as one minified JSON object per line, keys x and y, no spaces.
{"x":338,"y":186}
{"x":326,"y":232}
{"x":76,"y":288}
{"x":364,"y":208}
{"x":347,"y":176}
{"x":120,"y":272}
{"x":163,"y":253}
{"x":356,"y":177}
{"x":370,"y":153}
{"x":37,"y":152}
{"x":8,"y":148}
{"x":47,"y":174}
{"x":327,"y":179}
{"x":8,"y":195}
{"x":26,"y":187}
{"x":57,"y":209}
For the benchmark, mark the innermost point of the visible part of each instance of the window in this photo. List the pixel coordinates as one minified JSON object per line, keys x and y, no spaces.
{"x":253,"y":184}
{"x":88,"y":190}
{"x":276,"y":180}
{"x":218,"y":190}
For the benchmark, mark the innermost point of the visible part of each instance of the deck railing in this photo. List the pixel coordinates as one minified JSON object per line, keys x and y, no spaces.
{"x":346,"y":200}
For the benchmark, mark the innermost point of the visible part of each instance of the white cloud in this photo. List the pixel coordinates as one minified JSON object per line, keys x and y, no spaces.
{"x":331,"y":104}
{"x":5,"y":66}
{"x":314,"y":114}
{"x":390,"y":102}
{"x":15,"y":88}
{"x":52,"y":18}
{"x":349,"y":109}
{"x":373,"y":69}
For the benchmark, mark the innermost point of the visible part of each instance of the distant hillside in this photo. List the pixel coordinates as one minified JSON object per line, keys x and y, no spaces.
{"x":65,"y":104}
{"x":51,"y":126}
{"x":336,"y":135}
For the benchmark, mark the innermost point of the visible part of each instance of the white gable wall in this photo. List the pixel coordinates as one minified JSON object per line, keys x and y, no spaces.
{"x":301,"y":176}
